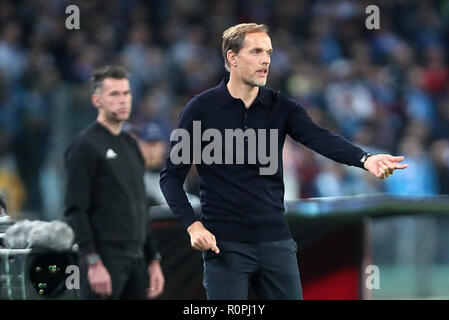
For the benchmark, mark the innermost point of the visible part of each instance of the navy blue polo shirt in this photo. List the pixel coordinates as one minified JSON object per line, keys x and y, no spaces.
{"x":238,"y":203}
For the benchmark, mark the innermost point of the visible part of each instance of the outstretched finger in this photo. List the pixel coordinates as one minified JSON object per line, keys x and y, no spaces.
{"x":215,"y":249}
{"x":392,"y":162}
{"x":396,"y":158}
{"x":214,"y":244}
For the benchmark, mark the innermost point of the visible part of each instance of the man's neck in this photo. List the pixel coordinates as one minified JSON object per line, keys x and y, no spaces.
{"x":240,"y":90}
{"x":115,"y":127}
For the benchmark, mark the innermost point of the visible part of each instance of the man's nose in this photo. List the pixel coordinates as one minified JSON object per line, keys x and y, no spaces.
{"x":266,"y":60}
{"x":123,"y":99}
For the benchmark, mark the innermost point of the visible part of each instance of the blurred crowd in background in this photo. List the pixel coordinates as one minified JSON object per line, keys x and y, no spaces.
{"x":386,"y":90}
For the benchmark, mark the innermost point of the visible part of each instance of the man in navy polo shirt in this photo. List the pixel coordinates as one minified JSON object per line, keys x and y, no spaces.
{"x":243,"y":234}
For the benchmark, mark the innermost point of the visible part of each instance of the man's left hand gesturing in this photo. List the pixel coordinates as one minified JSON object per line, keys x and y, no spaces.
{"x":383,"y":165}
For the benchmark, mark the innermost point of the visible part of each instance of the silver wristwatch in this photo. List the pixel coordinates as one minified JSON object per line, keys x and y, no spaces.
{"x":365,"y":157}
{"x":92,"y":258}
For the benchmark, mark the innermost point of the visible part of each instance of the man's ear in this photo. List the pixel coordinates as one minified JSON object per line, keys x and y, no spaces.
{"x":96,"y":100}
{"x":232,"y":58}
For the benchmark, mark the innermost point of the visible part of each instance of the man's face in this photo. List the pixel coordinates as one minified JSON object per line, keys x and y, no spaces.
{"x":253,"y":60}
{"x":114,"y":99}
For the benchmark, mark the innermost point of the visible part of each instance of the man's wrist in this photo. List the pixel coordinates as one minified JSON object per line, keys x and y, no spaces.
{"x":194,"y":225}
{"x":157,"y":256}
{"x":92,"y":258}
{"x":364,"y":158}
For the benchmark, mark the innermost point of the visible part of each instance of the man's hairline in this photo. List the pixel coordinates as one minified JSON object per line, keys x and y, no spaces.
{"x":101,"y":86}
{"x":244,"y":39}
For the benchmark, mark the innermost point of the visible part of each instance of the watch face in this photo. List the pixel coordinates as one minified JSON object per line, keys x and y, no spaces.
{"x":365,"y":157}
{"x":92,"y":258}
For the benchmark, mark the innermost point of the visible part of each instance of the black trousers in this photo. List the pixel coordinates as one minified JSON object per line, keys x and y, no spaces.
{"x":270,"y":269}
{"x":129,"y":277}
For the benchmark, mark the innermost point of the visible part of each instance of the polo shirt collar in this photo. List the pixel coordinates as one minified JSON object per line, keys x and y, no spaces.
{"x":225,"y":98}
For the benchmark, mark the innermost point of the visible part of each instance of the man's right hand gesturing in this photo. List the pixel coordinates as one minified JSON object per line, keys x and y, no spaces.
{"x":201,"y":239}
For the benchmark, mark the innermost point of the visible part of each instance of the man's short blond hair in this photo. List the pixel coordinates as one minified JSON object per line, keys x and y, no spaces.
{"x":234,"y":38}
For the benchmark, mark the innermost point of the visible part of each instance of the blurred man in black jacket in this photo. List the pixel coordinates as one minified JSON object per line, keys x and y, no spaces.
{"x":106,"y":202}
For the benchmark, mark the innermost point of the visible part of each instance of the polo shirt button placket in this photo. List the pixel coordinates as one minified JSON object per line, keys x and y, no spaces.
{"x":245,"y":122}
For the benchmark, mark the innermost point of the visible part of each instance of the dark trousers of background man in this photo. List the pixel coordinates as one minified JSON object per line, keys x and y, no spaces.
{"x":269,"y":268}
{"x":129,"y":277}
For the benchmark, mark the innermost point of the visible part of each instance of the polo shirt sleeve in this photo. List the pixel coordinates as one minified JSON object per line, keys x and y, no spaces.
{"x":173,"y":175}
{"x":333,"y":146}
